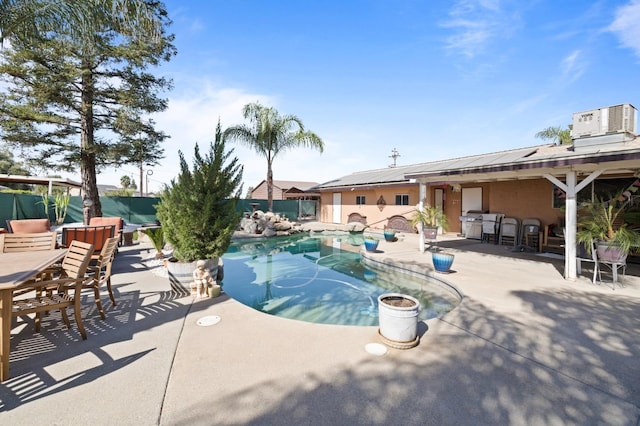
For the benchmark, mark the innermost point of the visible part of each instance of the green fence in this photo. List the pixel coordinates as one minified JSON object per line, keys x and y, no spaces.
{"x":139,"y":210}
{"x":26,"y":206}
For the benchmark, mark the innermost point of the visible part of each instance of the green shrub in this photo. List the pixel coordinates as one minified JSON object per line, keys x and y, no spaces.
{"x":197,"y":211}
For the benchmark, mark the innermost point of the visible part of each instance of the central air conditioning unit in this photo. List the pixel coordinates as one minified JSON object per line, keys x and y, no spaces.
{"x":604,"y":121}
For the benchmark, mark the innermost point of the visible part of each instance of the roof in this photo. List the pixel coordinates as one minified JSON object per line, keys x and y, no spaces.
{"x":286,"y":185}
{"x":39,"y":180}
{"x":527,"y":162}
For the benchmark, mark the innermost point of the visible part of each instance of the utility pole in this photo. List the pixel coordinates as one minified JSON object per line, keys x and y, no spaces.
{"x":394,"y":154}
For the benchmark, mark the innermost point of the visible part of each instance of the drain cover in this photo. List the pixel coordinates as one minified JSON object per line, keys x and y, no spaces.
{"x":208,"y":320}
{"x":375,"y":348}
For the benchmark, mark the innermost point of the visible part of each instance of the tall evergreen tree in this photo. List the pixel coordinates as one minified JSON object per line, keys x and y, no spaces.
{"x":9,"y":166}
{"x":29,"y":19}
{"x":198,"y":209}
{"x":269,"y":134}
{"x":70,"y":103}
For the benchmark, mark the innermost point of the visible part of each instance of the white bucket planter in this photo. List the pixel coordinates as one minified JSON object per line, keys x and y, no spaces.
{"x":398,"y":319}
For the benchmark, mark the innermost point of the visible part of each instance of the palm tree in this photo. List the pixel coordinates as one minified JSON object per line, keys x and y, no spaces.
{"x":269,"y":134}
{"x":27,"y":19}
{"x":558,"y":134}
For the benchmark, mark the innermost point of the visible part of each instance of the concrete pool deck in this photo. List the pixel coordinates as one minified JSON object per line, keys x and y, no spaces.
{"x":524,"y":347}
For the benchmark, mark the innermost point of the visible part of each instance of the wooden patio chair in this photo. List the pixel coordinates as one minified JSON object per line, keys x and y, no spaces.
{"x":95,"y":235}
{"x":100,"y":273}
{"x":27,"y":242}
{"x":28,"y":226}
{"x":68,"y":288}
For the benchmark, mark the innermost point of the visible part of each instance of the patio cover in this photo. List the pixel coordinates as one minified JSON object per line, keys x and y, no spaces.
{"x":38,"y":180}
{"x":578,"y":168}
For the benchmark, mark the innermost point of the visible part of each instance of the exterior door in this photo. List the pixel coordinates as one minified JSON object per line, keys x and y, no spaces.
{"x":337,"y":207}
{"x":471,"y":200}
{"x":439,"y":198}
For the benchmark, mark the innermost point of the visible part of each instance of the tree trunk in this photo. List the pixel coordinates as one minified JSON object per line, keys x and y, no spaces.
{"x":87,"y":156}
{"x":270,"y":186}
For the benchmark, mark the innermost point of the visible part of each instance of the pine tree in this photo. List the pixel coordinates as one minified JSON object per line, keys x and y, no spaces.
{"x":198,"y":209}
{"x":71,"y":104}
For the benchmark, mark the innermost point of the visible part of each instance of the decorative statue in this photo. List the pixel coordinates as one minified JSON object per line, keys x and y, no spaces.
{"x":202,"y":279}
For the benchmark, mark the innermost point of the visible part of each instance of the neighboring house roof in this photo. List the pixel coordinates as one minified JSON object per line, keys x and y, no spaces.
{"x":102,"y":189}
{"x":40,"y":180}
{"x":290,"y":185}
{"x":515,"y":163}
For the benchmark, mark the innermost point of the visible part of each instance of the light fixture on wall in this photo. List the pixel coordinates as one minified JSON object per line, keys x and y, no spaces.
{"x":456,"y":187}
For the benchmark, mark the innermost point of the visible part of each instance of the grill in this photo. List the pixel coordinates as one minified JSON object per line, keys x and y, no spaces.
{"x":472,"y":224}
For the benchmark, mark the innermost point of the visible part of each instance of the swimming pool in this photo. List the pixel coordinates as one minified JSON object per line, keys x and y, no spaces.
{"x":321,"y":279}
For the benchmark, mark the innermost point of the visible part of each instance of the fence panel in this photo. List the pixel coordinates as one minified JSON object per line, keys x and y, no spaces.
{"x":6,"y":208}
{"x":137,"y":210}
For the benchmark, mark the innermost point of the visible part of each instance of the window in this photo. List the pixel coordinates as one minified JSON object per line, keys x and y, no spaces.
{"x":360,"y":200}
{"x":402,"y":200}
{"x":598,"y":189}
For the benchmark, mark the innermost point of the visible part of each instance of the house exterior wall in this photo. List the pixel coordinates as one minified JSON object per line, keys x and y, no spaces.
{"x":376,"y":217}
{"x":260,"y":192}
{"x":518,"y":198}
{"x":525,"y":199}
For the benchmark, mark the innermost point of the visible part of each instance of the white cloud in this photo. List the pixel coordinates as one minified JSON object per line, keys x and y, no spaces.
{"x":475,"y":23}
{"x":573,"y":66}
{"x":192,"y":117}
{"x":625,"y":26}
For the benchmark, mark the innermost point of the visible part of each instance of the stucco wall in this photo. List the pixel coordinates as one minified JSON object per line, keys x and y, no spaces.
{"x":519,"y":198}
{"x":376,"y":217}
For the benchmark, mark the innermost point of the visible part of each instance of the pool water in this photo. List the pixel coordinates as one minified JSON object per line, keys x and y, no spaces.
{"x":321,"y":280}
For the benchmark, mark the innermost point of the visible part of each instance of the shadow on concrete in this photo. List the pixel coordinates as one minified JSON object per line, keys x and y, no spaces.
{"x":33,"y":354}
{"x":575,"y":363}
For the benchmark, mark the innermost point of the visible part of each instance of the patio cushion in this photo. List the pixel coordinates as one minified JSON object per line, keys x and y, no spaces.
{"x":29,"y":226}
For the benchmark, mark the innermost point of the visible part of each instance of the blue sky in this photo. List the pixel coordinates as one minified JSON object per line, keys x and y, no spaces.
{"x":433,"y":79}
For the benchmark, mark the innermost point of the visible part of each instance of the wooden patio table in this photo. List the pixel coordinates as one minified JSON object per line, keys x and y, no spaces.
{"x":15,"y":269}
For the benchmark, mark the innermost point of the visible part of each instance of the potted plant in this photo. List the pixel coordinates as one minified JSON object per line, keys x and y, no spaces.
{"x":442,"y":260}
{"x":430,"y":218}
{"x":389,"y":234}
{"x":371,"y":243}
{"x":602,"y":225}
{"x":198,"y":210}
{"x":156,"y":236}
{"x":60,"y":206}
{"x":398,"y":320}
